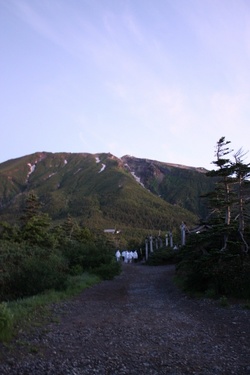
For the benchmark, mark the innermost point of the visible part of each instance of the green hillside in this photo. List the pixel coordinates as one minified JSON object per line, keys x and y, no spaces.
{"x":100,"y":192}
{"x":176,"y":184}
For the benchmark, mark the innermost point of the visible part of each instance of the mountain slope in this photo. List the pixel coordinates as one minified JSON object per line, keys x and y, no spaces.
{"x":177,"y":184}
{"x":101,"y":191}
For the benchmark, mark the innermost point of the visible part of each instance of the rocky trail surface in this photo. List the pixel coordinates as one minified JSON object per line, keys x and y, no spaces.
{"x":138,"y":323}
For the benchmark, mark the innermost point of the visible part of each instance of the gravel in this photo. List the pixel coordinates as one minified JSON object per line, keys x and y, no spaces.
{"x":138,"y":323}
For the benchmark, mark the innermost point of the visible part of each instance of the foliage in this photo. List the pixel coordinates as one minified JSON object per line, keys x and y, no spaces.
{"x":71,"y":185}
{"x":6,"y":322}
{"x":16,"y":315}
{"x":12,"y":256}
{"x":203,"y":267}
{"x":178,"y":185}
{"x":107,"y":271}
{"x":162,"y":256}
{"x":39,"y":272}
{"x":218,"y":260}
{"x":224,"y":301}
{"x":30,"y":270}
{"x":247,"y":305}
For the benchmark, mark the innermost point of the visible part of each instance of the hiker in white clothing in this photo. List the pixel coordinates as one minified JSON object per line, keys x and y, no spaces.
{"x":130,"y":256}
{"x":135,"y":256}
{"x":118,"y":255}
{"x":123,"y":255}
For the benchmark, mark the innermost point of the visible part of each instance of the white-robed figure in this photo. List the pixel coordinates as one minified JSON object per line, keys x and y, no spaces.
{"x":135,"y":255}
{"x":130,"y":256}
{"x":123,"y":255}
{"x":118,"y":255}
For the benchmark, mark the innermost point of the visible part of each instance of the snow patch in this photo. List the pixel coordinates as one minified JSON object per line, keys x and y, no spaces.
{"x":52,"y":174}
{"x":32,"y":168}
{"x":102,"y":168}
{"x":65,"y":162}
{"x":97,"y":159}
{"x":78,"y":170}
{"x":137,"y":179}
{"x":109,"y":231}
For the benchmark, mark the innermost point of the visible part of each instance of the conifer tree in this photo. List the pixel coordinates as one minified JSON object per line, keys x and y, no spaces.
{"x":221,"y":200}
{"x":231,"y":195}
{"x":35,"y":224}
{"x":31,"y":209}
{"x":242,"y":174}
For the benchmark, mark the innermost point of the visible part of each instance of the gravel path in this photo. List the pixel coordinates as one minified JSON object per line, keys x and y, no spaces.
{"x":139,"y":323}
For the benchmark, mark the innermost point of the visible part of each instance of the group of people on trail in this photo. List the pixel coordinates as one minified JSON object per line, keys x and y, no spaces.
{"x":127,"y":256}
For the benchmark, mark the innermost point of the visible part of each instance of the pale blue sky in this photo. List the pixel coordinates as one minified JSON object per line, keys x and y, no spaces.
{"x":156,"y":79}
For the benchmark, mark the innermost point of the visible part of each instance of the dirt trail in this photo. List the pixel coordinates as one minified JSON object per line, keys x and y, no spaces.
{"x":139,"y":323}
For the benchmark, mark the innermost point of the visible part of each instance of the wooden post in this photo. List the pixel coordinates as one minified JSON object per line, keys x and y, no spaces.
{"x":151,"y":243}
{"x":171,"y":239}
{"x":146,"y":249}
{"x":166,"y":240}
{"x":183,"y":234}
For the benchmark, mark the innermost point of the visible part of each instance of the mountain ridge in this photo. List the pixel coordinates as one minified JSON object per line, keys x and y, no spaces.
{"x":102,"y":190}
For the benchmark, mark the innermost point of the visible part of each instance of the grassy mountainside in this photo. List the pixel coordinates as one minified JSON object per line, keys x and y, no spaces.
{"x":176,"y":184}
{"x":101,"y":192}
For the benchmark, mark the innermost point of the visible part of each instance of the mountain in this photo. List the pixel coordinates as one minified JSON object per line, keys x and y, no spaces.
{"x":101,"y":191}
{"x":177,"y":184}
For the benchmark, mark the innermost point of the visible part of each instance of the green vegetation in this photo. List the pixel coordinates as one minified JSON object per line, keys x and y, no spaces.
{"x":218,"y":258}
{"x":224,"y":301}
{"x":71,"y":184}
{"x":40,"y":263}
{"x":55,"y":207}
{"x":26,"y":312}
{"x":162,"y":256}
{"x":178,"y":185}
{"x":6,"y":322}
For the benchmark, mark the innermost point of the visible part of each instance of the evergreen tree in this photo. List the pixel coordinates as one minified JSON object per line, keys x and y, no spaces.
{"x":35,"y":224}
{"x":31,"y":209}
{"x":241,"y":175}
{"x":222,"y":198}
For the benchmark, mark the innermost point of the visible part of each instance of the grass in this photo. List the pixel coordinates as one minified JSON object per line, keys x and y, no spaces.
{"x":33,"y":311}
{"x":223,"y":301}
{"x":246,"y":305}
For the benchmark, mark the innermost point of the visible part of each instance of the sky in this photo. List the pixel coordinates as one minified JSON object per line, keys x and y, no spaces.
{"x":155,"y":79}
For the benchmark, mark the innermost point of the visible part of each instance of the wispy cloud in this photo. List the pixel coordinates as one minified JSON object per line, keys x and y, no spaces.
{"x":162,"y":72}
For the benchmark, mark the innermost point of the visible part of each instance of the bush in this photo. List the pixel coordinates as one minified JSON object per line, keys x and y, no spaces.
{"x":91,"y":257}
{"x":6,"y":322}
{"x":226,"y":273}
{"x":12,"y":256}
{"x":162,"y":256}
{"x":26,"y":270}
{"x":39,"y":272}
{"x":224,"y":301}
{"x":108,"y":271}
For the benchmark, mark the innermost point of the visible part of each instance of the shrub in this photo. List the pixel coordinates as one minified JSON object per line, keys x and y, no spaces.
{"x":27,"y":270}
{"x":162,"y":256}
{"x":226,"y":273}
{"x":12,"y":256}
{"x":224,"y":301}
{"x":39,"y":272}
{"x":95,"y":258}
{"x":6,"y":322}
{"x":247,"y":305}
{"x":107,"y":271}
